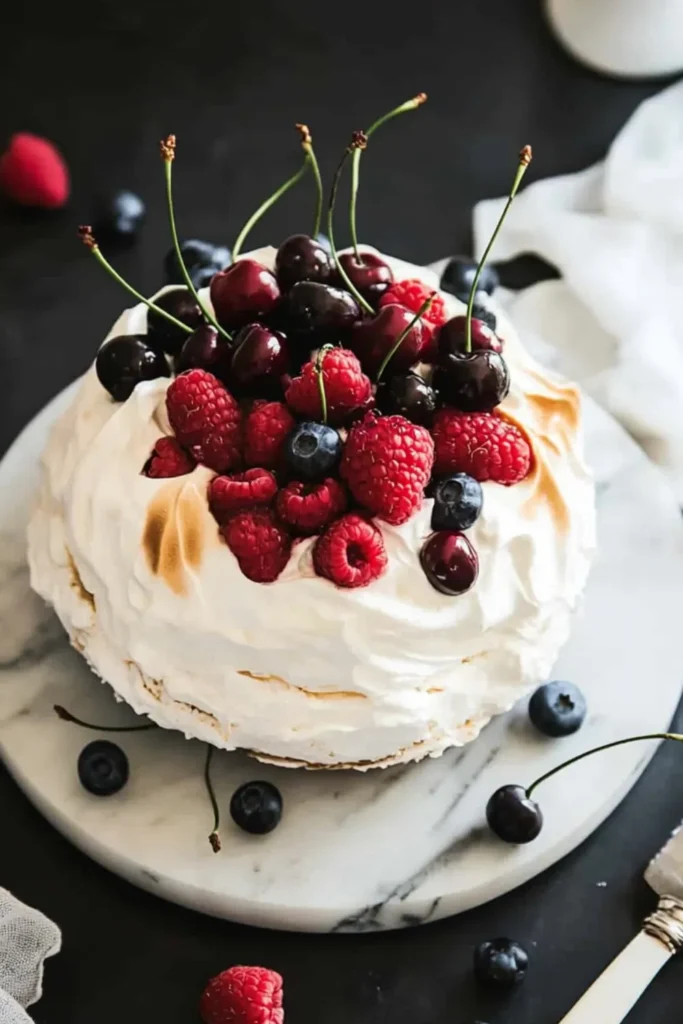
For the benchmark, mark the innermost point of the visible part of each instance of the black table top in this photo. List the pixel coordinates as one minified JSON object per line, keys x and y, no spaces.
{"x":230,"y":80}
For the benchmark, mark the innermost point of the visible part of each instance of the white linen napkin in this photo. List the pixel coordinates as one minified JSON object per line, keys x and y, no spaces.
{"x":27,"y":938}
{"x":614,"y":322}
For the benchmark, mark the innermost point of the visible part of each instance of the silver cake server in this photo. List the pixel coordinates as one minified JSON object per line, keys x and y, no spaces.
{"x":618,"y":988}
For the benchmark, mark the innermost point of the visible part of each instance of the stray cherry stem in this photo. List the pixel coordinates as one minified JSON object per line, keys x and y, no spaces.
{"x":66,"y":716}
{"x":404,"y":334}
{"x":214,"y":837}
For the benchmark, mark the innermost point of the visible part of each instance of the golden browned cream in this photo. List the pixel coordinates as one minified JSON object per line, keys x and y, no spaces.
{"x":173,"y":534}
{"x":77,"y":583}
{"x":316,"y":694}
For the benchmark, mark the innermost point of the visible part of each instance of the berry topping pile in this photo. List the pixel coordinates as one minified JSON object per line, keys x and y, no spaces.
{"x":328,"y":397}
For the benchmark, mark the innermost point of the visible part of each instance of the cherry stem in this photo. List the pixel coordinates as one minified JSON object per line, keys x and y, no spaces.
{"x":606,"y":746}
{"x":214,"y":837}
{"x":86,"y":236}
{"x":412,"y":104}
{"x":321,"y":381}
{"x":524,"y":161}
{"x":265,"y":206}
{"x":66,"y":716}
{"x":168,"y":146}
{"x":307,"y":144}
{"x":357,"y":142}
{"x":404,"y":334}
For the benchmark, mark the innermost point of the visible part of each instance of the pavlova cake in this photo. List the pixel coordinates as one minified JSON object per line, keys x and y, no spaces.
{"x":320,"y":510}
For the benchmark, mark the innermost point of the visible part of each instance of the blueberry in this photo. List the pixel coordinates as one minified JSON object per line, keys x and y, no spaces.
{"x":513,"y":816}
{"x":119,"y":217}
{"x":557,"y":709}
{"x":161,"y":332}
{"x":458,"y":275}
{"x":312,"y":451}
{"x":202,"y":260}
{"x":486,"y":315}
{"x":458,"y":501}
{"x":125,"y":361}
{"x":500,"y":963}
{"x":256,"y":807}
{"x":102,"y":768}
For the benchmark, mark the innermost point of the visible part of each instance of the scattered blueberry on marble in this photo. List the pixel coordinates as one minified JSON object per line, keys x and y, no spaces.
{"x":514,"y":816}
{"x":558,"y":708}
{"x":256,"y":807}
{"x":458,"y":275}
{"x":458,"y":501}
{"x":500,"y":963}
{"x":119,"y":217}
{"x":103,"y":768}
{"x":202,"y":260}
{"x":312,"y":451}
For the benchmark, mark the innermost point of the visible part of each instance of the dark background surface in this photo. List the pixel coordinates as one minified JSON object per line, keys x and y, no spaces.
{"x":230,"y":80}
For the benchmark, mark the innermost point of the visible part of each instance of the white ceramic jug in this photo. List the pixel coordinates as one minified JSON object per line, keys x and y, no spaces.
{"x":630,"y":38}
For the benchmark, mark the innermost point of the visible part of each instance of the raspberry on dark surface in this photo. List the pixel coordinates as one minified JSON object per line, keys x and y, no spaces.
{"x":266,"y":427}
{"x":351,"y":552}
{"x":206,"y":419}
{"x":484,"y":445}
{"x":228,"y":494}
{"x":243,"y":995}
{"x":346,"y":387}
{"x":260,"y":543}
{"x":168,"y":459}
{"x":308,"y":507}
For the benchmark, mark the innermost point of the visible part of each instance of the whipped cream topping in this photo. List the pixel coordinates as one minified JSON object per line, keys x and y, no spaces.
{"x":300,"y":671}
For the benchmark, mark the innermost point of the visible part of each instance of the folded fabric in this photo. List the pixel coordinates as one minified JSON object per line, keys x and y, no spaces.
{"x":27,"y":938}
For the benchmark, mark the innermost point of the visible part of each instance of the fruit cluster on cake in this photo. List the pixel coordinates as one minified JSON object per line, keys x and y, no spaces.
{"x":320,"y":510}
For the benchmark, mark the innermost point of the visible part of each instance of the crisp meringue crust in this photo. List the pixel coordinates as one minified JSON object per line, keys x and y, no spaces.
{"x":299,"y":671}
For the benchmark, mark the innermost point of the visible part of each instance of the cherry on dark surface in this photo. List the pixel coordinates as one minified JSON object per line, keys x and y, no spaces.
{"x":372,"y":276}
{"x":125,"y":361}
{"x":452,"y":337}
{"x":301,"y":258}
{"x":242,"y":293}
{"x":458,"y":275}
{"x":202,"y":260}
{"x":119,"y":217}
{"x":180,"y":304}
{"x":372,"y":340}
{"x":458,"y":501}
{"x":260,"y":357}
{"x":513,"y":816}
{"x":320,"y":309}
{"x":206,"y":349}
{"x":558,"y":708}
{"x":256,"y":807}
{"x":409,"y":395}
{"x":103,"y":768}
{"x":500,"y":963}
{"x":474,"y":382}
{"x":449,"y":562}
{"x":312,"y":451}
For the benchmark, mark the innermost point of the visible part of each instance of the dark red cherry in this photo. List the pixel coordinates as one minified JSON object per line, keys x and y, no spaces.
{"x":182,"y":305}
{"x":408,"y":395}
{"x":301,"y":258}
{"x":372,"y":276}
{"x":242,"y":293}
{"x":450,"y":563}
{"x":372,"y":340}
{"x":473,"y":383}
{"x":206,"y":349}
{"x":452,"y":337}
{"x":259,"y":359}
{"x":320,"y":309}
{"x":123,"y":362}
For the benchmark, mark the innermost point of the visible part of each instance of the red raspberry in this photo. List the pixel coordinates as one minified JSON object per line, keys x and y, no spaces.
{"x":228,"y":494}
{"x":482,"y":444}
{"x":265,"y":430}
{"x":411,"y":293}
{"x":310,"y":507}
{"x":205,"y":418}
{"x":387,"y":463}
{"x":351,"y":552}
{"x":346,"y":387}
{"x":33,"y":172}
{"x":260,"y":544}
{"x":243,"y":995}
{"x":168,"y":458}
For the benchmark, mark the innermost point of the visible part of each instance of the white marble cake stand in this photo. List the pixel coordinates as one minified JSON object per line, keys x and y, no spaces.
{"x":354,"y":852}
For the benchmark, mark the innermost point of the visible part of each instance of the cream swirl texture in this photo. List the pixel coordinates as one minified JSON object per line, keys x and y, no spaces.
{"x":300,"y":671}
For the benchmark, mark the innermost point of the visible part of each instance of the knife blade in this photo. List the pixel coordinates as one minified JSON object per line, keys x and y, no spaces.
{"x":664,"y":873}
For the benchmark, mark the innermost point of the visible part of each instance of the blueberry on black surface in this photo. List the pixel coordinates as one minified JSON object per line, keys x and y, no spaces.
{"x":179,"y":303}
{"x":458,"y":275}
{"x":558,"y":708}
{"x":119,"y":217}
{"x":125,"y":361}
{"x":103,"y":768}
{"x":458,"y":501}
{"x":256,"y":807}
{"x":513,"y":816}
{"x":312,"y":451}
{"x":202,"y":260}
{"x":500,"y":963}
